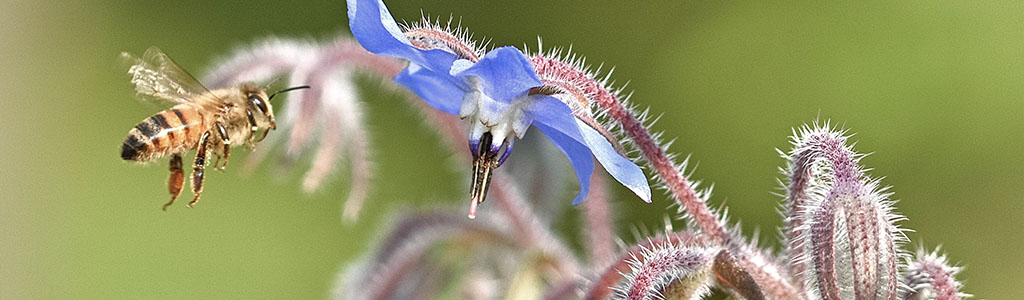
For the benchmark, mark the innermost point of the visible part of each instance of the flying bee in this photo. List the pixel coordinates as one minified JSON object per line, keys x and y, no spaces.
{"x":210,"y":122}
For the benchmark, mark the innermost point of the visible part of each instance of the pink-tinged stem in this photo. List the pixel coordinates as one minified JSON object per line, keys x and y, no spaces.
{"x":326,"y":155}
{"x":266,"y":59}
{"x":350,"y":53}
{"x":731,"y":274}
{"x":517,"y":212}
{"x":344,"y":52}
{"x":600,"y":222}
{"x":393,"y":272}
{"x":529,"y":228}
{"x":813,"y":147}
{"x":361,"y":175}
{"x":330,"y":58}
{"x":659,"y":267}
{"x":840,"y":234}
{"x":423,"y":224}
{"x":585,"y":89}
{"x":602,"y":287}
{"x":800,"y":175}
{"x":767,"y":274}
{"x":403,"y":255}
{"x":680,"y":187}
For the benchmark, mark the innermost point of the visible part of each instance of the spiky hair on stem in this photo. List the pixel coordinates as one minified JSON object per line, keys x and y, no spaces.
{"x":840,"y":232}
{"x":613,"y":276}
{"x":668,"y":270}
{"x":929,"y":275}
{"x":597,"y":102}
{"x":427,"y":34}
{"x":840,"y":228}
{"x":405,"y":251}
{"x":568,"y":78}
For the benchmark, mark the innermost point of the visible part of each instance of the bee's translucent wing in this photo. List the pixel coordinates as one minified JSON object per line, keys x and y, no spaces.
{"x":157,"y":76}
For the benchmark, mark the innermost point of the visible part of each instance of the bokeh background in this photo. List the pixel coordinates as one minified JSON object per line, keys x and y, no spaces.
{"x":935,"y":89}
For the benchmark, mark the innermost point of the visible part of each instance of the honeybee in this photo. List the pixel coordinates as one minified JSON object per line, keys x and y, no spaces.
{"x":210,"y":122}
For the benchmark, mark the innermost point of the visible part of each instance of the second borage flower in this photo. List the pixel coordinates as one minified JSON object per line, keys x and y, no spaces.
{"x":497,"y":91}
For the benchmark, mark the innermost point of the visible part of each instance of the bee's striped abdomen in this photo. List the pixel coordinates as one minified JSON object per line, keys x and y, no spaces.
{"x":170,"y":131}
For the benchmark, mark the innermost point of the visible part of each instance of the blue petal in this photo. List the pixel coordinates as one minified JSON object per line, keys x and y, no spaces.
{"x":437,"y":91}
{"x":505,"y":73}
{"x":621,"y":168}
{"x":578,"y":154}
{"x":372,"y":25}
{"x":557,"y":116}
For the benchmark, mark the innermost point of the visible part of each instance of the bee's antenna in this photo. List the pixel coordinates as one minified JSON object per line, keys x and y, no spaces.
{"x":287,"y":90}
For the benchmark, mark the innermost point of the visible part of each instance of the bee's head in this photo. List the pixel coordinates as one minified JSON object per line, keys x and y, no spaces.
{"x":259,"y":105}
{"x":259,"y":102}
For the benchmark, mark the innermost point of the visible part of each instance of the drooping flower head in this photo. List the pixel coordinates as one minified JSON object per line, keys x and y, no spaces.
{"x":497,"y":91}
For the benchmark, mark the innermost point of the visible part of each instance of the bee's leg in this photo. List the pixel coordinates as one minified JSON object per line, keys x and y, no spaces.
{"x":177,"y":181}
{"x":216,"y":160}
{"x":198,"y":166}
{"x":265,"y":132}
{"x":224,"y":140}
{"x":253,"y":127}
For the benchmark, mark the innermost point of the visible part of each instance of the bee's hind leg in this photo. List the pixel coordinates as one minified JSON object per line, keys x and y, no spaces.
{"x":198,"y":166}
{"x":177,"y":181}
{"x":227,"y":146}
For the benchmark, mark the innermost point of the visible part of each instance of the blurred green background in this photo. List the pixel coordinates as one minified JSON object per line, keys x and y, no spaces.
{"x":933,"y":88}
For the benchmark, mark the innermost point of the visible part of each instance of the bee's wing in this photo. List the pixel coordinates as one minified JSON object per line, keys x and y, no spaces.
{"x":157,"y":76}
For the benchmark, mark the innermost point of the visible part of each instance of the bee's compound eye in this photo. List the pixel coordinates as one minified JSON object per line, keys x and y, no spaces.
{"x":258,"y":103}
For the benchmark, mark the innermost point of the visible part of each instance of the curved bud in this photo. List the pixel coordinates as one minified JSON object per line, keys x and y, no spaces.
{"x":840,"y":228}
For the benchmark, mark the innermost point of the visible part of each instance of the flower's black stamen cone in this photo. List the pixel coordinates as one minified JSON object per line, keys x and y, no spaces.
{"x":483,"y":166}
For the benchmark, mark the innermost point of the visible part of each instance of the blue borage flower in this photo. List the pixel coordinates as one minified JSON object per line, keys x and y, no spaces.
{"x":497,"y":92}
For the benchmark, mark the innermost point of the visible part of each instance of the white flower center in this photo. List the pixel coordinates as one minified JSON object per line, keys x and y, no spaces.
{"x":485,"y":114}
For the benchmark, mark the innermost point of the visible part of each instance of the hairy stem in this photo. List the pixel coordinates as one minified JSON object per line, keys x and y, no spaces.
{"x":569,"y":80}
{"x":600,"y":221}
{"x":404,"y":249}
{"x":602,"y":287}
{"x":566,"y":76}
{"x":684,"y":272}
{"x":818,"y":155}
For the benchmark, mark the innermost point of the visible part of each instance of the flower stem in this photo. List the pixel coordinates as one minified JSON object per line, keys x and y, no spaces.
{"x":600,"y":221}
{"x":602,"y":287}
{"x":581,"y":89}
